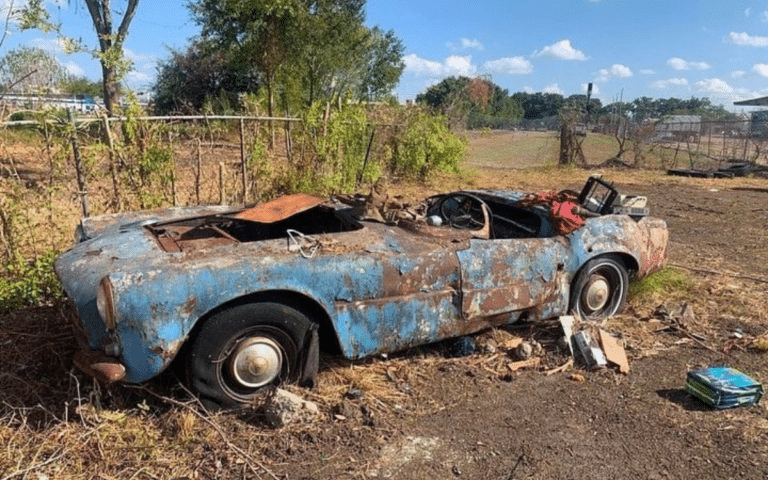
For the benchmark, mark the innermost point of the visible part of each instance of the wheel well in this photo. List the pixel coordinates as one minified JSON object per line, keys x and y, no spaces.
{"x":629,"y":261}
{"x":328,"y":340}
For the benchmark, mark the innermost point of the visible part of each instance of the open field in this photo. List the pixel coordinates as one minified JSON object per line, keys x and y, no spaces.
{"x":424,"y":415}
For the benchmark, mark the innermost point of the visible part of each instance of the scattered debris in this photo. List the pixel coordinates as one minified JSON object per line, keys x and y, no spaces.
{"x":614,"y":351}
{"x":283,"y":408}
{"x":524,"y":351}
{"x":531,"y":362}
{"x":561,"y":368}
{"x":733,"y":169}
{"x":590,"y":350}
{"x":595,"y":346}
{"x":576,"y":377}
{"x":723,"y":387}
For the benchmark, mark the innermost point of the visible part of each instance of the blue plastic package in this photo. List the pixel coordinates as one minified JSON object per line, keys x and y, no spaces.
{"x":723,"y":387}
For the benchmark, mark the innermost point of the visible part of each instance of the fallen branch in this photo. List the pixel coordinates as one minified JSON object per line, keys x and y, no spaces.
{"x":561,"y":368}
{"x":515,"y":366}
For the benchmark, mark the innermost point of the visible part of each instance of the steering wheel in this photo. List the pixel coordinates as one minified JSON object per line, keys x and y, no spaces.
{"x":463,"y":211}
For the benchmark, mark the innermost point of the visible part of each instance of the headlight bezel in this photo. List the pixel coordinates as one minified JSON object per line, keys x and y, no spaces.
{"x":105,"y":303}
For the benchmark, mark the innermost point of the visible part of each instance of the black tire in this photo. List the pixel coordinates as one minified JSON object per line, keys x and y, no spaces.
{"x":600,"y":288}
{"x":241,"y":351}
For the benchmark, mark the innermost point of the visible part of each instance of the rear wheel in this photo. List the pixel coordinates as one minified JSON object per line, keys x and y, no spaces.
{"x":240,"y":351}
{"x":600,"y":288}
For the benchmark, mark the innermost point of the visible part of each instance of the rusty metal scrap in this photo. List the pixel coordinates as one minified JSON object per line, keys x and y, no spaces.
{"x":280,"y":208}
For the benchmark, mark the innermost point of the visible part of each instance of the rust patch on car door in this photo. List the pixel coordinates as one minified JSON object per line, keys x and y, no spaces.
{"x":280,"y":208}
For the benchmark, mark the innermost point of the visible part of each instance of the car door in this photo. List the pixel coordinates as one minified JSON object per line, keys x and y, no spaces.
{"x":501,"y":276}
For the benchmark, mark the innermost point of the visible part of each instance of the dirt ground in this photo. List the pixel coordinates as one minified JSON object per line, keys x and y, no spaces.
{"x":425,"y":415}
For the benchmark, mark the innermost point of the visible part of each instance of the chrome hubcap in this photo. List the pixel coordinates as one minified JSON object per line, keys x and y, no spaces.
{"x":256,"y":362}
{"x":597,"y":293}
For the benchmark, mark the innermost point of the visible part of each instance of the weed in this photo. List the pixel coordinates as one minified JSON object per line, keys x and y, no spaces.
{"x":668,"y":283}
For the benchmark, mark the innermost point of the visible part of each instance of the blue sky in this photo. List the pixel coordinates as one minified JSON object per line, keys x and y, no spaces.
{"x":626,"y":48}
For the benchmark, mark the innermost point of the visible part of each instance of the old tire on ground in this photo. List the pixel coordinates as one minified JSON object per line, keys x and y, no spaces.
{"x":239,"y":352}
{"x":600,"y":288}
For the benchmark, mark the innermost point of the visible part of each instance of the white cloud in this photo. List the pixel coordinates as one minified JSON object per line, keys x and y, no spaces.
{"x":680,"y":64}
{"x":453,"y":65}
{"x":138,"y":57}
{"x":670,"y":82}
{"x":554,"y":88}
{"x":52,"y":45}
{"x":761,"y":69}
{"x":648,"y":71}
{"x":617,"y":70}
{"x":467,"y":43}
{"x":748,"y":12}
{"x":509,"y":66}
{"x":745,"y":39}
{"x":715,"y":86}
{"x":138,"y":80}
{"x":74,"y":69}
{"x":460,"y":65}
{"x":738,"y":74}
{"x":562,"y":50}
{"x":419,"y":66}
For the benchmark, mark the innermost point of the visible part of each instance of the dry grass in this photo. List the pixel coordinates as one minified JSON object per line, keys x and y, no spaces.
{"x":57,"y":423}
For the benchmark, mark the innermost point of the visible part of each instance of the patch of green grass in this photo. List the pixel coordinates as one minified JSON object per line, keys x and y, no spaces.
{"x":668,"y":282}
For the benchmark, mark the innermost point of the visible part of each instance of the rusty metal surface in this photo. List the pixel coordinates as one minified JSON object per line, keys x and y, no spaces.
{"x":380,"y":287}
{"x":99,"y":366}
{"x":280,"y":208}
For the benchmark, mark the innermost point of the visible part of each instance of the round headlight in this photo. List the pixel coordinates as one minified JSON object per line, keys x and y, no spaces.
{"x":105,"y":303}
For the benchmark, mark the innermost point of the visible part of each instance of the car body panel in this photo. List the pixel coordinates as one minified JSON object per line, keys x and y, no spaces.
{"x":379,"y":287}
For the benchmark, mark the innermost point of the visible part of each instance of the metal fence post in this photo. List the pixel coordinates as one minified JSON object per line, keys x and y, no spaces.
{"x":81,"y":187}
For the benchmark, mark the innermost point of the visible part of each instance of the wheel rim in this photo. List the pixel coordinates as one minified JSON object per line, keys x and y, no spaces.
{"x":601,"y":295}
{"x":255,"y":362}
{"x":596,"y":293}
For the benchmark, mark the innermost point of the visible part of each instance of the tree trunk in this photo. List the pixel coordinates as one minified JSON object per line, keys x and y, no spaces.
{"x":111,"y":92}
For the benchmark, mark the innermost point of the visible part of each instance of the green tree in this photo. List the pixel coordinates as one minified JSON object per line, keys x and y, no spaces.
{"x":304,"y":51}
{"x":114,"y":65}
{"x":472,"y":102}
{"x":200,"y":74}
{"x":539,"y":105}
{"x":82,"y":86}
{"x":258,"y":32}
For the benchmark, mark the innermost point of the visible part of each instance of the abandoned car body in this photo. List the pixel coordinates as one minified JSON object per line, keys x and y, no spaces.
{"x":245,"y":297}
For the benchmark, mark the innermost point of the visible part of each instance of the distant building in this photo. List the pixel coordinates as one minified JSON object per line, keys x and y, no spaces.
{"x":79,"y":103}
{"x":758,"y":123}
{"x":679,"y":128}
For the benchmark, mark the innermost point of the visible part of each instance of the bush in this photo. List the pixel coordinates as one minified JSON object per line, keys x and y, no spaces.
{"x":427,"y":146}
{"x":29,"y":283}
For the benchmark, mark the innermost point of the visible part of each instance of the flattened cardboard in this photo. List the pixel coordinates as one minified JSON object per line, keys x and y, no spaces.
{"x":614,"y":351}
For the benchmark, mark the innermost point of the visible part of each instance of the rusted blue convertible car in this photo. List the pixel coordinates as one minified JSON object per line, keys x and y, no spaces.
{"x":246,"y":297}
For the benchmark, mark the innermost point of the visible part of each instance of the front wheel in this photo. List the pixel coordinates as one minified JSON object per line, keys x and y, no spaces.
{"x":600,"y":288}
{"x":240,"y":351}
